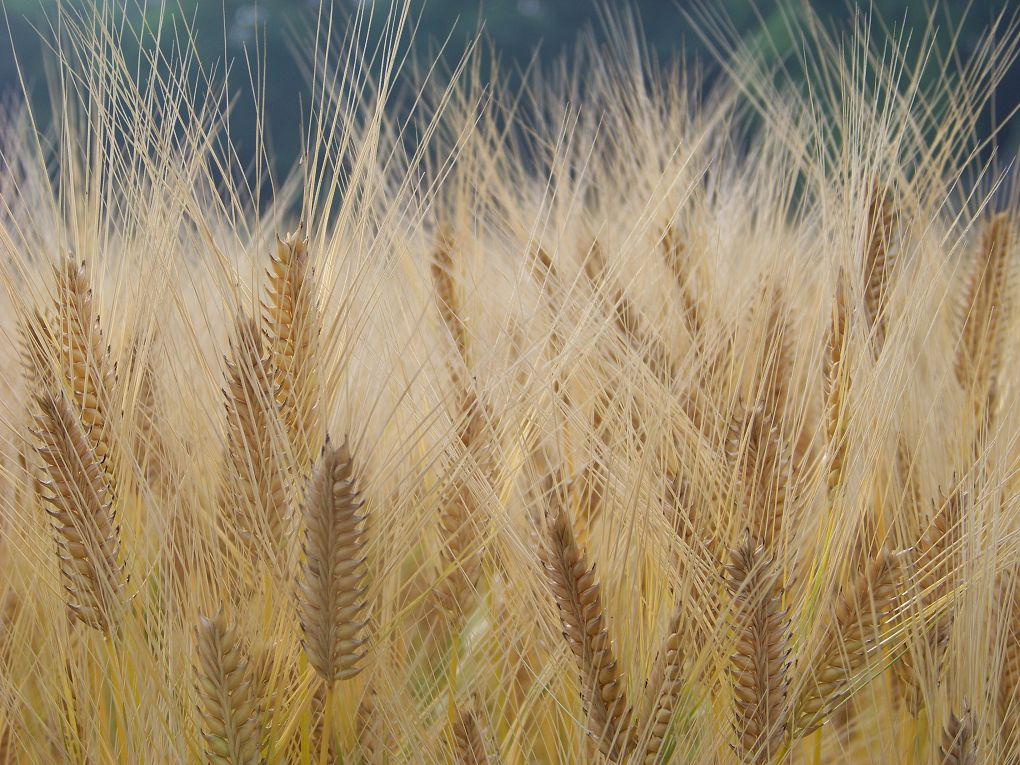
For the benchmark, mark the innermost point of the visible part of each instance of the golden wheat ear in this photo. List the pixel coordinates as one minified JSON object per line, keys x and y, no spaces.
{"x":80,"y":502}
{"x":863,"y":612}
{"x":85,"y":360}
{"x":294,"y":326}
{"x":667,"y":690}
{"x":230,"y":715}
{"x":579,"y":599}
{"x":836,"y":375}
{"x":986,"y":313}
{"x":759,"y":666}
{"x":255,"y":485}
{"x":878,"y":260}
{"x":332,"y":590}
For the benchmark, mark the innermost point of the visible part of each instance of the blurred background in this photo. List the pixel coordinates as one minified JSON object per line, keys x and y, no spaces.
{"x":521,"y":32}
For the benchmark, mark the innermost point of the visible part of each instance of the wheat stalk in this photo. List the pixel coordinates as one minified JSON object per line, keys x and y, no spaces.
{"x":294,"y":326}
{"x":759,"y":665}
{"x":231,"y":718}
{"x":579,"y":599}
{"x":80,"y":501}
{"x":333,"y":583}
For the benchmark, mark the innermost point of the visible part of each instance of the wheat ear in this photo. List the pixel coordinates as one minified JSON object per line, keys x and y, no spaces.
{"x":937,"y":556}
{"x":626,"y":315}
{"x":231,"y":718}
{"x":757,"y":450}
{"x":85,"y":359}
{"x":294,"y":326}
{"x":579,"y":599}
{"x":333,"y":582}
{"x":468,"y":739}
{"x":863,"y":611}
{"x":255,"y":493}
{"x":447,"y":295}
{"x":760,"y":662}
{"x":677,"y":260}
{"x":460,"y":544}
{"x":80,"y":501}
{"x":959,"y":739}
{"x":836,"y":376}
{"x":986,"y":312}
{"x":671,"y":669}
{"x":878,"y":263}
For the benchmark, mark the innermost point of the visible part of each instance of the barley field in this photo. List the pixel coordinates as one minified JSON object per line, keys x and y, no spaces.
{"x":611,"y":416}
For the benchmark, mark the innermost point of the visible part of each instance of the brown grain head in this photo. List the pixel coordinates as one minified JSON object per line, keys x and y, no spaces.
{"x":759,"y":666}
{"x":578,"y":597}
{"x":85,"y":360}
{"x":231,"y":718}
{"x":959,"y":739}
{"x":294,"y":326}
{"x":79,"y":499}
{"x":255,"y":484}
{"x":332,"y":590}
{"x":863,"y":614}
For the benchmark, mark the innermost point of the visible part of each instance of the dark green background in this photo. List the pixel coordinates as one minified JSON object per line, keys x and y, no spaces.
{"x":515,"y":27}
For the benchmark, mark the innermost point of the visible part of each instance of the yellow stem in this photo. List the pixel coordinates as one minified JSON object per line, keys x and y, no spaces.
{"x":327,"y":732}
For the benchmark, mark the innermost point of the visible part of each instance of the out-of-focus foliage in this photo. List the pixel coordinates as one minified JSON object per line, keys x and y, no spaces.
{"x":243,"y":33}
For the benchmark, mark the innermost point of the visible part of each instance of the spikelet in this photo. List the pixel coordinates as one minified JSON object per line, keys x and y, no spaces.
{"x":579,"y":599}
{"x":80,"y":502}
{"x":862,"y":612}
{"x":333,"y":584}
{"x":759,"y":665}
{"x":667,"y":691}
{"x":294,"y":325}
{"x":878,"y":263}
{"x":255,"y":495}
{"x":85,"y":360}
{"x":959,"y":740}
{"x":986,"y":313}
{"x":231,"y":719}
